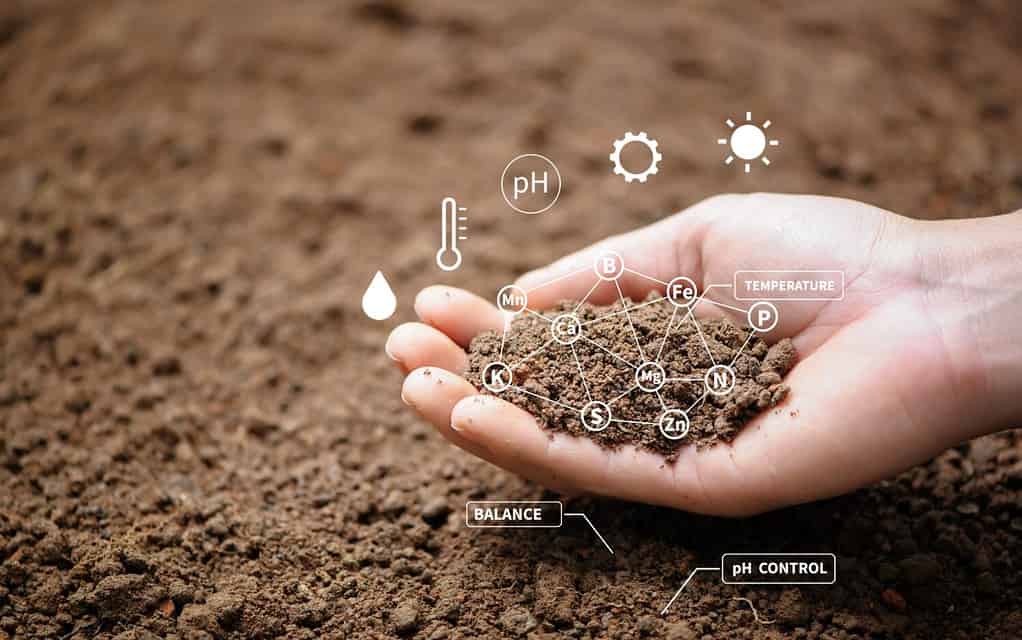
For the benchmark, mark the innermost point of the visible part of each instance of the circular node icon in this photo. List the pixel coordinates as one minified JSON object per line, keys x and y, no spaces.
{"x":566,"y":329}
{"x":748,"y":142}
{"x":650,"y":377}
{"x":720,"y":379}
{"x":596,"y":416}
{"x":682,"y":292}
{"x":674,"y":424}
{"x":609,"y":265}
{"x":763,"y":316}
{"x":496,"y":377}
{"x":512,"y":299}
{"x":530,"y":183}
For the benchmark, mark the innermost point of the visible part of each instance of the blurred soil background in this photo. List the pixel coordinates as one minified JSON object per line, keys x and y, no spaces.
{"x":200,"y":433}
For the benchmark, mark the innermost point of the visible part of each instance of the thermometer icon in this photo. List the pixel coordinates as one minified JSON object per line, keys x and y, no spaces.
{"x":448,"y":257}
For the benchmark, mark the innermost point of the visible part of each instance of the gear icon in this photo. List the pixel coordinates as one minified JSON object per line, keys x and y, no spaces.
{"x":643,"y":139}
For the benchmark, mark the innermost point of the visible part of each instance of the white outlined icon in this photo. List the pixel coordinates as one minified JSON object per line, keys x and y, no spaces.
{"x":530,"y":183}
{"x":512,"y":299}
{"x":674,"y":424}
{"x":763,"y":316}
{"x":748,"y":141}
{"x":566,"y":328}
{"x":650,"y":377}
{"x":654,"y":156}
{"x":682,"y":292}
{"x":595,"y":416}
{"x":497,"y":377}
{"x":609,"y":265}
{"x":379,"y":301}
{"x":448,"y":257}
{"x":720,"y":379}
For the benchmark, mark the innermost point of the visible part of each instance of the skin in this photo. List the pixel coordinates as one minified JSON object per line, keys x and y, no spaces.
{"x":924,"y":351}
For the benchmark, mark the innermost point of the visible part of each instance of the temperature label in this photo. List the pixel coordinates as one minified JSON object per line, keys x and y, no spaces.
{"x":448,"y":257}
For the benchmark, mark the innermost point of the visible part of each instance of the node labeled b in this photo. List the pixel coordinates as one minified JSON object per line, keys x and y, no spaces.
{"x":609,"y":265}
{"x":720,"y":379}
{"x":674,"y":424}
{"x":682,"y":292}
{"x":763,"y":316}
{"x":596,"y":416}
{"x":650,"y":377}
{"x":512,"y":299}
{"x":566,"y":329}
{"x":496,"y":377}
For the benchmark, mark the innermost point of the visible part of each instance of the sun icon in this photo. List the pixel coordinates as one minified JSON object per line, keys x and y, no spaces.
{"x":748,"y":141}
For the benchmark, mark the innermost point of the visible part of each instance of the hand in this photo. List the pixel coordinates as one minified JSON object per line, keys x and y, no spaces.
{"x":886,"y":377}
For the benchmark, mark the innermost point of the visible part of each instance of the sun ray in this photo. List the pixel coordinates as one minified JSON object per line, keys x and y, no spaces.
{"x":729,"y":159}
{"x":774,"y":143}
{"x":721,"y":140}
{"x":748,"y":116}
{"x":766,"y":161}
{"x":729,"y":123}
{"x":766,"y":125}
{"x":746,"y":167}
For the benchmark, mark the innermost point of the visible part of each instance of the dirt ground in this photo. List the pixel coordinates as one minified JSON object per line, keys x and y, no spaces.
{"x":200,"y":434}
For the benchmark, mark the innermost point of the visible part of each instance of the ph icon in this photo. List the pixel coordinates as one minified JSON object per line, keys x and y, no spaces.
{"x":531,"y":183}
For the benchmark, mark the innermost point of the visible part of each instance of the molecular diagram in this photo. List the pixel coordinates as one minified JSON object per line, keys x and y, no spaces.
{"x":650,"y":375}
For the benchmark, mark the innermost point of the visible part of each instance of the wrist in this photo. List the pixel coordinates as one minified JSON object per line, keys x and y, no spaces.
{"x":972,"y":276}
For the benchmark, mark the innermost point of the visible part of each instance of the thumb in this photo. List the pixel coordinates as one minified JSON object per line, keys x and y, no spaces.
{"x":651,"y":257}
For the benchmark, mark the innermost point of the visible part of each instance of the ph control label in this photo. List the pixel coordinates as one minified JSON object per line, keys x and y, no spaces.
{"x":778,"y":568}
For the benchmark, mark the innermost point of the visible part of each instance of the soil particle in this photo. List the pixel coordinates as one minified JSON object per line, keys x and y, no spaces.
{"x":542,"y":367}
{"x":405,"y":618}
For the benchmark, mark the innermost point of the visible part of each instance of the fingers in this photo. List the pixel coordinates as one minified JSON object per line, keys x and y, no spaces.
{"x":433,"y":392}
{"x":652,"y":256}
{"x":413,"y":345}
{"x":457,"y":313}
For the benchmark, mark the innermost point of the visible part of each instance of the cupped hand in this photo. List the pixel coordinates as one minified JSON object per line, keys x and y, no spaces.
{"x":875,"y":390}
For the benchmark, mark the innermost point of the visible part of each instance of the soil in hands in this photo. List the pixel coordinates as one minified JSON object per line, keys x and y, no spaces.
{"x":554,"y":384}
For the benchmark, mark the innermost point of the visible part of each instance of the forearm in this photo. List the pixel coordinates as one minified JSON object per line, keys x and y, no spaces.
{"x":974,"y":273}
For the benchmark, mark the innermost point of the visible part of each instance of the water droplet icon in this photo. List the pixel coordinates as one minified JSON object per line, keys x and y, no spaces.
{"x":379,"y":301}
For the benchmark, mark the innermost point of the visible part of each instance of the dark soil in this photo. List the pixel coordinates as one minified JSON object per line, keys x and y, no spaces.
{"x":200,"y":433}
{"x":608,"y":354}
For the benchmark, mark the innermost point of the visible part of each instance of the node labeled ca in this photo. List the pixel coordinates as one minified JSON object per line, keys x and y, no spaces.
{"x":566,"y":328}
{"x":530,"y":183}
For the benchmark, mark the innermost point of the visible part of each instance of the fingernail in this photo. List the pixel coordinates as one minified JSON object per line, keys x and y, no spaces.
{"x":390,"y":354}
{"x":405,"y":400}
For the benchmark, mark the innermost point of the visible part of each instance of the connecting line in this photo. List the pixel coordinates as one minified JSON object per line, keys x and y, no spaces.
{"x":702,"y":337}
{"x":536,"y":352}
{"x":584,"y":383}
{"x":582,"y":515}
{"x":503,"y":338}
{"x":667,"y":333}
{"x":643,"y":275}
{"x":600,"y":346}
{"x":633,"y":421}
{"x":703,"y":298}
{"x":536,"y":395}
{"x":680,"y":379}
{"x":742,"y":348}
{"x":617,"y":313}
{"x":685,"y":584}
{"x":661,"y":399}
{"x":696,"y":403}
{"x":567,"y":275}
{"x":586,"y":296}
{"x":538,"y":315}
{"x":630,"y":389}
{"x":629,"y":316}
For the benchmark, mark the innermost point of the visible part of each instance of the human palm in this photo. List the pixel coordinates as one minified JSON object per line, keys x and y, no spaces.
{"x":870,"y":395}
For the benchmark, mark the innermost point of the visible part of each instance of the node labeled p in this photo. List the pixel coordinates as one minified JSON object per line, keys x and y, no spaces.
{"x":763,"y":316}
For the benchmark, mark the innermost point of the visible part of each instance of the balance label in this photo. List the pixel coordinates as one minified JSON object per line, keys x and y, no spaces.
{"x":514,"y":514}
{"x":789,"y":285}
{"x":778,"y":568}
